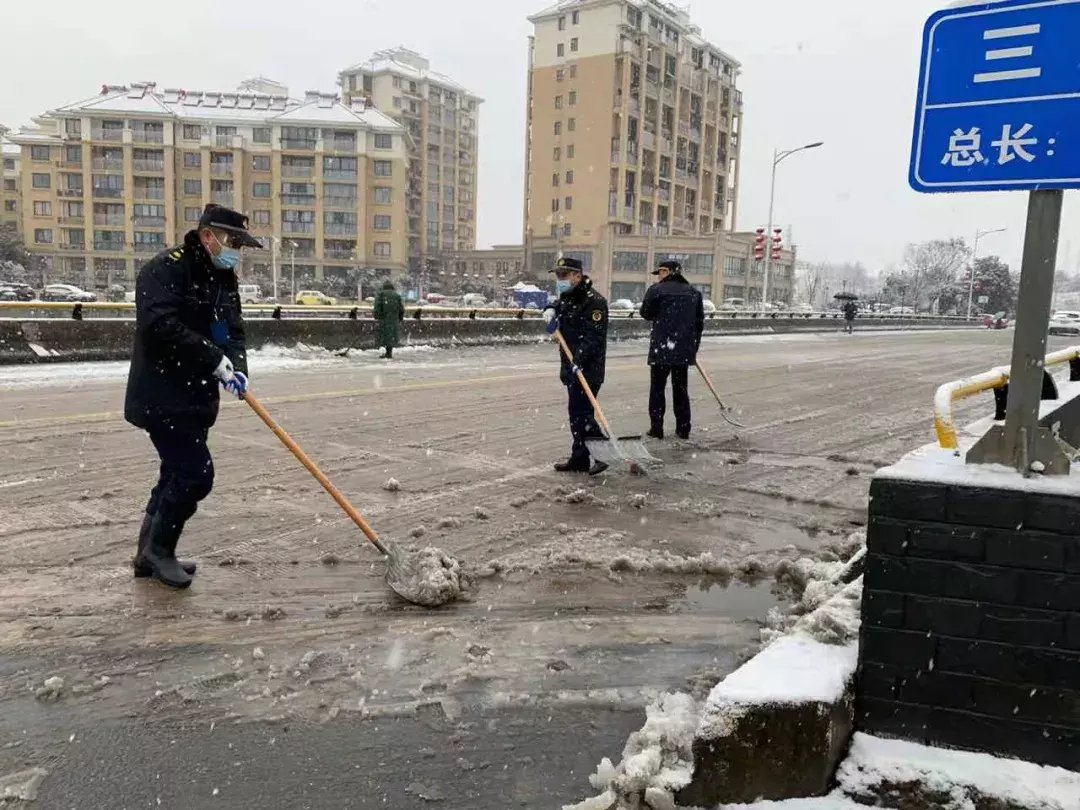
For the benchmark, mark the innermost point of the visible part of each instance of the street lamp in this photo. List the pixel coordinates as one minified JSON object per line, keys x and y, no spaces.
{"x":974,"y":256}
{"x":778,"y":158}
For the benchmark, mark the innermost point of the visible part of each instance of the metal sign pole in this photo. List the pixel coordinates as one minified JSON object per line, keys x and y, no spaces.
{"x":1032,"y":319}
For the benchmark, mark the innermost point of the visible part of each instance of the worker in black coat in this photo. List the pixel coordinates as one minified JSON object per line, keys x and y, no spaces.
{"x":677,"y":312}
{"x":189,"y":337}
{"x":581,"y":315}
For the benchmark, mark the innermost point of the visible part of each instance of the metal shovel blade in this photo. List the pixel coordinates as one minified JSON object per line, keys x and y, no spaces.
{"x":628,"y":449}
{"x":423,"y":582}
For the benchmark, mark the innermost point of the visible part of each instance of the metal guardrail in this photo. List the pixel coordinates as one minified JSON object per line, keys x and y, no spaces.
{"x":952,"y":392}
{"x":78,"y":311}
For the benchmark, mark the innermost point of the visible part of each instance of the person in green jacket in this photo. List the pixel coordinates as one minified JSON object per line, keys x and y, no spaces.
{"x":389,"y":312}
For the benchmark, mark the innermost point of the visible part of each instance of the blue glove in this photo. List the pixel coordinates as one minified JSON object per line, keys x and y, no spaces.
{"x":551,"y":319}
{"x":237,"y":384}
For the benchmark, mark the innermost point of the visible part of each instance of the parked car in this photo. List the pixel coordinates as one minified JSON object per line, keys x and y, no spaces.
{"x":16,"y":291}
{"x":1065,"y":322}
{"x":901,"y":310}
{"x":622,"y":305}
{"x":250,"y":294}
{"x":67,"y":292}
{"x":314,"y":298}
{"x":709,"y":306}
{"x":733,"y":304}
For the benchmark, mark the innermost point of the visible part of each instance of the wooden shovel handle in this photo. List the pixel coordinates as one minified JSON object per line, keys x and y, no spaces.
{"x":312,"y":468}
{"x":588,"y":391}
{"x":708,"y":382}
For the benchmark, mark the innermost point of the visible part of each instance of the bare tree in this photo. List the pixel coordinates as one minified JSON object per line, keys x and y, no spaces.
{"x":930,"y":269}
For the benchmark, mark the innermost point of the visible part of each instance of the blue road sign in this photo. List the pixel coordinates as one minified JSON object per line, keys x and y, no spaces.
{"x":999,"y":98}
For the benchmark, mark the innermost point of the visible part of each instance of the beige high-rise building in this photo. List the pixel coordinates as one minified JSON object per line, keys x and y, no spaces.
{"x":109,"y":181}
{"x":441,"y":118}
{"x":10,"y":158}
{"x":633,"y":124}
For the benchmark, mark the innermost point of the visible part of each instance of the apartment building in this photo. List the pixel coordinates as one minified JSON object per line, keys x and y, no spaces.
{"x":10,"y":158}
{"x":633,"y":123}
{"x":441,"y":118}
{"x":109,"y":181}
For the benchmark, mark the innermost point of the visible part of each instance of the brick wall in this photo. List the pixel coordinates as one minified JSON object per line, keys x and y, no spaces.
{"x":971,"y":620}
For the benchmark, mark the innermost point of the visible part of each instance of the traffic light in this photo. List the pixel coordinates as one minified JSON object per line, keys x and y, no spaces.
{"x":759,"y":245}
{"x":777,"y":244}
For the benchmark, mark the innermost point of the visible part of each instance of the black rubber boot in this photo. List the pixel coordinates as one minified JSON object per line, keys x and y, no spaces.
{"x":683,"y":433}
{"x":597,"y":468}
{"x":656,"y":432}
{"x":160,"y":550}
{"x":573,"y":465}
{"x":140,"y":566}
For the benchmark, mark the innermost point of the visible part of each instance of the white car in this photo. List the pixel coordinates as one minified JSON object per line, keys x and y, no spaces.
{"x":250,"y":293}
{"x":622,"y":305}
{"x":67,"y":292}
{"x":1065,"y":322}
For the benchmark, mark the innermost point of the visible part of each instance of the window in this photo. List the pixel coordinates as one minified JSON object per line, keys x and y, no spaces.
{"x":555,"y":179}
{"x":575,"y":17}
{"x":262,"y":190}
{"x":558,"y":127}
{"x":42,"y":236}
{"x":557,"y":153}
{"x":569,"y":177}
{"x":9,"y":185}
{"x":573,"y":44}
{"x":558,"y":102}
{"x":73,"y":182}
{"x":369,"y":83}
{"x":382,"y":248}
{"x":73,"y":154}
{"x":73,"y":210}
{"x":149,"y":241}
{"x":76,"y":237}
{"x":397,"y":81}
{"x":560,"y":49}
{"x":566,"y":229}
{"x":570,"y":152}
{"x":381,"y":222}
{"x":397,"y":102}
{"x":192,"y":132}
{"x":339,"y":168}
{"x":192,"y":160}
{"x":262,"y":135}
{"x":569,"y":203}
{"x":193,"y":188}
{"x":260,"y":163}
{"x":559,"y":74}
{"x":39,"y":153}
{"x":41,"y":181}
{"x":9,"y":164}
{"x":384,"y":140}
{"x":555,"y":204}
{"x":192,"y":214}
{"x":562,"y":23}
{"x":73,"y":128}
{"x":9,"y":205}
{"x":573,"y":71}
{"x":260,"y":217}
{"x":571,"y":124}
{"x":573,"y":97}
{"x":383,"y":168}
{"x":383,"y":195}
{"x":42,"y":209}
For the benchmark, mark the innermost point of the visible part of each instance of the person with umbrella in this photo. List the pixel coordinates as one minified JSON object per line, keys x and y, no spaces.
{"x":850,"y":309}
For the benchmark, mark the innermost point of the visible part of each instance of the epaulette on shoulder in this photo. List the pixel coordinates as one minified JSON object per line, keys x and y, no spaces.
{"x":176,"y":255}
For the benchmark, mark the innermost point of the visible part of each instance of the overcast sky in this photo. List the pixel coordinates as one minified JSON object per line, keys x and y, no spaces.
{"x":841,"y":71}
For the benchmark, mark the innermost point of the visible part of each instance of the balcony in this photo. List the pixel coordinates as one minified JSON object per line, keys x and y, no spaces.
{"x":288,"y":170}
{"x":648,"y":139}
{"x":152,"y":193}
{"x":346,"y":254}
{"x":112,"y":135}
{"x":150,"y":222}
{"x":681,"y":175}
{"x":72,"y":220}
{"x":628,"y":213}
{"x":69,"y":192}
{"x":684,"y":127}
{"x":115,"y":220}
{"x":108,"y":246}
{"x":298,"y":200}
{"x":652,"y":88}
{"x":221,"y":169}
{"x":109,"y":193}
{"x":342,"y":145}
{"x":339,"y":174}
{"x":72,"y":245}
{"x":647,"y":190}
{"x":664,"y":195}
{"x":71,"y":164}
{"x":148,"y":136}
{"x":616,"y":156}
{"x":632,"y":152}
{"x":108,"y":164}
{"x":683,"y":224}
{"x":303,"y":144}
{"x":336,"y":229}
{"x":224,"y":141}
{"x":222,"y":198}
{"x":298,"y":227}
{"x":149,"y":166}
{"x":348,"y":203}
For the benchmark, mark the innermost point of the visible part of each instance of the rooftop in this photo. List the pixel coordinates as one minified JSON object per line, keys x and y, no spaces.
{"x":145,"y":100}
{"x":401,"y":61}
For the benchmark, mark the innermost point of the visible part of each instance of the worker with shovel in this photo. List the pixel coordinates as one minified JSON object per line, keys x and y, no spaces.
{"x":189,"y":336}
{"x":581,"y":316}
{"x":677,"y":312}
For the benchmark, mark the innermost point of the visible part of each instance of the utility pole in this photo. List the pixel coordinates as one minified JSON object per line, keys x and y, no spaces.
{"x":974,"y":258}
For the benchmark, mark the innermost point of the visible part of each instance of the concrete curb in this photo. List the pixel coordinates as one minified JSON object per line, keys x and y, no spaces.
{"x":54,"y":340}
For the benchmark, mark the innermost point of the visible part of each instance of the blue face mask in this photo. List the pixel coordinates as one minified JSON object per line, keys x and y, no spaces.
{"x":228,"y":258}
{"x":563,"y":285}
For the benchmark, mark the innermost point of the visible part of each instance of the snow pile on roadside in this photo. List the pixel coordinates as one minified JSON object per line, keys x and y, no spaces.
{"x":657,"y":759}
{"x":831,"y":802}
{"x":963,"y":776}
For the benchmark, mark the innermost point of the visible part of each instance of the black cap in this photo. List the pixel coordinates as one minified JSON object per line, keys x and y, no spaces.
{"x":673,"y":266}
{"x":218,"y":216}
{"x":567,"y":264}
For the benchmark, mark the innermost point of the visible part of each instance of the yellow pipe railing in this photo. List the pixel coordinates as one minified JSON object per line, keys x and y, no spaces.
{"x":952,"y":392}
